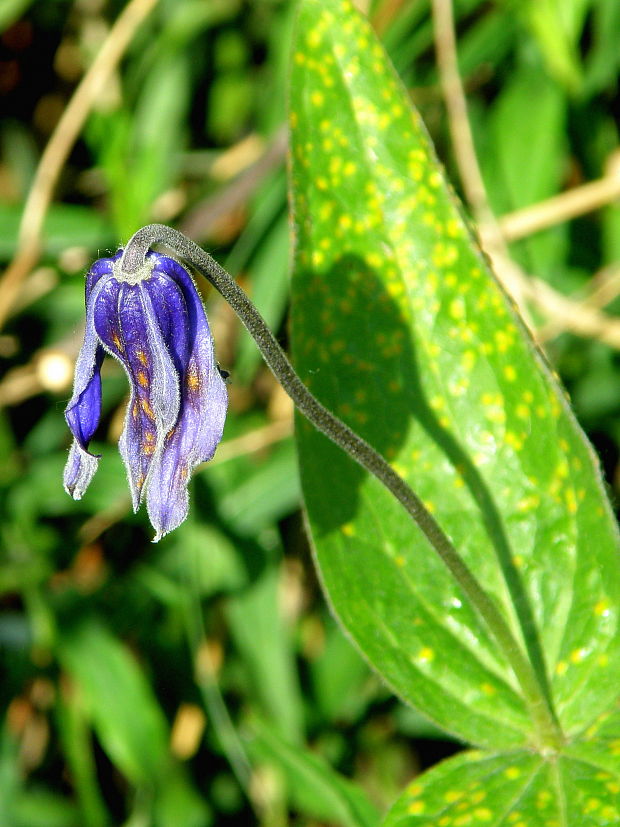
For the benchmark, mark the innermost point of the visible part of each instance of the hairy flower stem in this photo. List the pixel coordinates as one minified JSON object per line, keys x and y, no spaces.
{"x":548,"y":733}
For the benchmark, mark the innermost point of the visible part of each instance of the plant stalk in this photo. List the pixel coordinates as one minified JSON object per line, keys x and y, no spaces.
{"x":549,"y":734}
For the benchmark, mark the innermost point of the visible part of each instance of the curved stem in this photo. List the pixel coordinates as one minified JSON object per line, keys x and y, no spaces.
{"x":549,"y":733}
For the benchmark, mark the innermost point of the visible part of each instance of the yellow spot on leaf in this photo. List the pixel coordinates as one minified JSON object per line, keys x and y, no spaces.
{"x":528,"y":503}
{"x":314,"y":38}
{"x":452,"y":795}
{"x":434,"y":180}
{"x":457,"y":309}
{"x":503,"y":340}
{"x":143,"y":379}
{"x":426,"y":654}
{"x":513,"y":440}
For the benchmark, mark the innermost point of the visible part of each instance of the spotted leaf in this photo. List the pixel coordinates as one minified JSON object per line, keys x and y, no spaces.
{"x":512,"y":790}
{"x":400,"y":328}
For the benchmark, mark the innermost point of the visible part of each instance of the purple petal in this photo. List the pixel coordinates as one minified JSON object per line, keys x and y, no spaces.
{"x":84,"y":409}
{"x":79,"y":471}
{"x":201,"y":420}
{"x":128,"y":327}
{"x":171,"y":312}
{"x":101,"y":267}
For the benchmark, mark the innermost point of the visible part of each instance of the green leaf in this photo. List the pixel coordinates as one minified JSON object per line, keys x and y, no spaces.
{"x":139,"y":150}
{"x":11,"y":10}
{"x":78,"y":748}
{"x":475,"y":788}
{"x":269,"y":292}
{"x":599,"y":744}
{"x":398,"y":327}
{"x":120,"y":702}
{"x":264,"y":641}
{"x":66,"y":225}
{"x":604,"y":57}
{"x":178,"y":802}
{"x":200,"y":554}
{"x":557,"y":25}
{"x":314,"y":788}
{"x":523,"y":150}
{"x":253,"y":491}
{"x":42,"y":808}
{"x":338,"y":674}
{"x":129,"y":722}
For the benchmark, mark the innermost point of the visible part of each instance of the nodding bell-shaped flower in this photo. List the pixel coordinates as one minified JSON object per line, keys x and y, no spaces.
{"x":153,"y":322}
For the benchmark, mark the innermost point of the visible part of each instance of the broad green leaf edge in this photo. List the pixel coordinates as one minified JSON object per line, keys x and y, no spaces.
{"x":568,"y":565}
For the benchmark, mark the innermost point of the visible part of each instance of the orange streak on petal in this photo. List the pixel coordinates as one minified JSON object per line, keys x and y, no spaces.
{"x":146,"y":407}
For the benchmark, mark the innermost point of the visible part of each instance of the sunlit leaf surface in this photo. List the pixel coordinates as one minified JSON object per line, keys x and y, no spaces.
{"x":398,"y":326}
{"x":503,"y":790}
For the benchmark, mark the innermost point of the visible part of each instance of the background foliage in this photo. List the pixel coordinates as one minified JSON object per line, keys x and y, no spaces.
{"x":117,"y":654}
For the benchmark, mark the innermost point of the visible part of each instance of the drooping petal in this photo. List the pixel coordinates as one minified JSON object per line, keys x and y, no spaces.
{"x":84,"y":409}
{"x":127,"y":325}
{"x":165,"y":390}
{"x":201,"y":419}
{"x":79,"y":470}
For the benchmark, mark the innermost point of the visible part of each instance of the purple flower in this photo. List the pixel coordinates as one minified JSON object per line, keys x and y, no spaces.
{"x":154,"y":323}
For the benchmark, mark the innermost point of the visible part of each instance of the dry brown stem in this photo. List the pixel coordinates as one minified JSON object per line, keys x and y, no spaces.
{"x":580,"y":318}
{"x":59,"y":146}
{"x":563,"y":207}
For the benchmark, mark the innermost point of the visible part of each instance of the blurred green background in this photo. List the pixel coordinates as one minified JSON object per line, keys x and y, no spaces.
{"x":202,"y":680}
